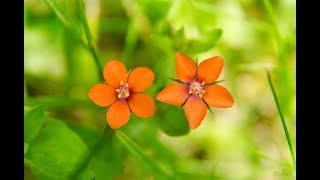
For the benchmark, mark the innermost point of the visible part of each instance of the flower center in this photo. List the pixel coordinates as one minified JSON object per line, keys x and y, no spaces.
{"x":123,"y":91}
{"x":196,"y":89}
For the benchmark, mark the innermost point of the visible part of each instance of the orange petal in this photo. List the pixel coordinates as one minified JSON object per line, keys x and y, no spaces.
{"x":186,"y":68}
{"x":114,"y":72}
{"x":195,"y":110}
{"x":174,"y":94}
{"x":118,"y":114}
{"x":209,"y":70}
{"x":102,"y":94}
{"x":140,"y":79}
{"x":218,"y":96}
{"x":142,"y":105}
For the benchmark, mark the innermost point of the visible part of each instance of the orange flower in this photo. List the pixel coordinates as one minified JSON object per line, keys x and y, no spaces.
{"x":123,"y":93}
{"x":196,"y":88}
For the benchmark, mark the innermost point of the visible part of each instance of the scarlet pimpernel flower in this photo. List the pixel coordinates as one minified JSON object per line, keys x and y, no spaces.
{"x":123,"y":93}
{"x":196,"y":88}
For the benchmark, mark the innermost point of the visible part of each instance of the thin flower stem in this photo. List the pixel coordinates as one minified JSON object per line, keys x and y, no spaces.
{"x":283,"y":121}
{"x":91,"y":44}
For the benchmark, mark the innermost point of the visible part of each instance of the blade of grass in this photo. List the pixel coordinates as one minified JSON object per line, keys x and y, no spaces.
{"x":91,"y":44}
{"x":283,"y":121}
{"x":136,"y":151}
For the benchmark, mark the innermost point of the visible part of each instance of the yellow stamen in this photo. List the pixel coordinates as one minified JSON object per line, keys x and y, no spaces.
{"x":200,"y":95}
{"x":126,"y":94}
{"x":127,"y":85}
{"x":119,"y":96}
{"x":190,"y":91}
{"x":117,"y":90}
{"x":203,"y":83}
{"x":203,"y":91}
{"x":121,"y":82}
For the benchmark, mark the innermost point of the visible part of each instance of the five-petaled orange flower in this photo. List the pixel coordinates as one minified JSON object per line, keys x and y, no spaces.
{"x":196,"y":88}
{"x":123,"y":93}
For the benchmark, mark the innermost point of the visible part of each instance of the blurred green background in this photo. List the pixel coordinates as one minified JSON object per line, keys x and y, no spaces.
{"x":246,"y":141}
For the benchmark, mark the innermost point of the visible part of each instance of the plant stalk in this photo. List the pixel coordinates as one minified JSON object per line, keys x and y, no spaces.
{"x":91,"y":44}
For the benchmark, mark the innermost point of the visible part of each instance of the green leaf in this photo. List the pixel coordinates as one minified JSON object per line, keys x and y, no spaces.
{"x":137,"y":152}
{"x":172,"y":120}
{"x":33,"y":120}
{"x":204,"y":44}
{"x":26,"y":147}
{"x":56,"y":152}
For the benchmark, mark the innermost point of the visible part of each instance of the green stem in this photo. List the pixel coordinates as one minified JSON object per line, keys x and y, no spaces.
{"x":56,"y":102}
{"x":106,"y":134}
{"x":91,"y":44}
{"x":138,"y":153}
{"x":283,"y":121}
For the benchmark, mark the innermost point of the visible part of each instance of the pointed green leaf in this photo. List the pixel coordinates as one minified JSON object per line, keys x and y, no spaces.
{"x":33,"y":120}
